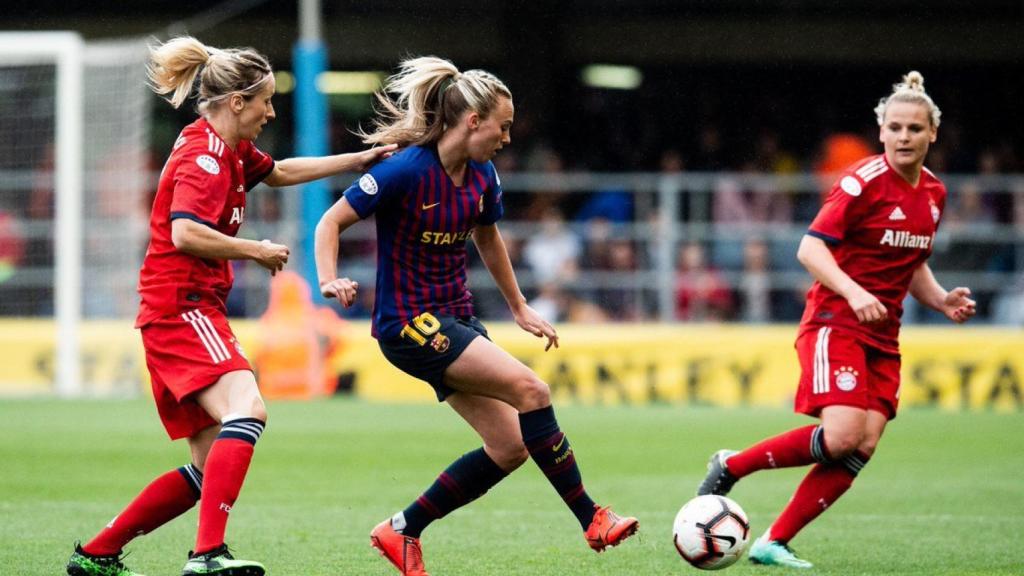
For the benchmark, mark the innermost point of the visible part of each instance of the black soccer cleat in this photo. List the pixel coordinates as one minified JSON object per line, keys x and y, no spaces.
{"x":220,"y":562}
{"x":718,"y":480}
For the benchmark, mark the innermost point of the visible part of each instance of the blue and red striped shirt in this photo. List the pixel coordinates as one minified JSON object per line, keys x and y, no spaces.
{"x":423,"y":223}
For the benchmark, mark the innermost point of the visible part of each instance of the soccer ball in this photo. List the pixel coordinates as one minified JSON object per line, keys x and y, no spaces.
{"x":711,"y":532}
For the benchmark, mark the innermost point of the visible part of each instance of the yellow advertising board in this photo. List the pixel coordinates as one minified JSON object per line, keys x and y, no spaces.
{"x":726,"y":365}
{"x":721,"y":365}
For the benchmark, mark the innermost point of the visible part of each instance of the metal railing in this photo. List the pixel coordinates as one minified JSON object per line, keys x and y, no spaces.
{"x":665,"y":212}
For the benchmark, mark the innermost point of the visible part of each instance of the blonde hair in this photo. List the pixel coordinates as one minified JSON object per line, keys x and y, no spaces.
{"x":430,"y":94}
{"x":174,"y":66}
{"x":911,"y":90}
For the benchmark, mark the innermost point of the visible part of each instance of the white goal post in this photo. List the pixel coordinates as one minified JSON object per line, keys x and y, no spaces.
{"x":64,"y":50}
{"x":76,"y":122}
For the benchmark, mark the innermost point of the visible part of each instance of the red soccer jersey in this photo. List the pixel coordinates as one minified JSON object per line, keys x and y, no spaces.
{"x":880,"y":230}
{"x":206,"y":181}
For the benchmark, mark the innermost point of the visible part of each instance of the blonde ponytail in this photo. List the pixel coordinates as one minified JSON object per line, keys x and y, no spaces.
{"x":430,"y":94}
{"x":174,"y":65}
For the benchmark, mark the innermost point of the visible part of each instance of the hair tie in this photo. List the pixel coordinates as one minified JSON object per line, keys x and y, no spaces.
{"x":445,"y":85}
{"x":212,"y":52}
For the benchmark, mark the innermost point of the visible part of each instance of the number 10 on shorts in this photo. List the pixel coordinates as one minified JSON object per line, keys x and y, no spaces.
{"x":421,"y":328}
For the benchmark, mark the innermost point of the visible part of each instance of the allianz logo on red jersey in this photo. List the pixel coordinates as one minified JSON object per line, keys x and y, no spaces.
{"x":904,"y":239}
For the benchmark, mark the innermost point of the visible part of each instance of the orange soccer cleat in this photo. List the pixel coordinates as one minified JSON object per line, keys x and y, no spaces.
{"x":402,"y":551}
{"x":609,"y":529}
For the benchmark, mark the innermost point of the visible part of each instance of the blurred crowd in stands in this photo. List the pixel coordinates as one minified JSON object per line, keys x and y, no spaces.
{"x":589,"y":256}
{"x":733,"y":274}
{"x":586,"y":257}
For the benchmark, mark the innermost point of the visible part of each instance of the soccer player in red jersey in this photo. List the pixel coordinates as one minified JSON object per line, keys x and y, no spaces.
{"x":867,"y":247}
{"x":429,"y":200}
{"x":203,"y":385}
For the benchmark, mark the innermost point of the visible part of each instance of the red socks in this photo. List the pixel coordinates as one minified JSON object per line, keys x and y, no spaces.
{"x":166,"y":498}
{"x":822,"y":486}
{"x":797,"y":447}
{"x":226,"y":467}
{"x":175,"y":492}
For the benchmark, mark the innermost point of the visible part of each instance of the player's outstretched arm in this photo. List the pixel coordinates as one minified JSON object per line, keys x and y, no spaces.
{"x":495,"y":257}
{"x":956,"y":304}
{"x":200,"y":240}
{"x":336,"y":220}
{"x":293,"y":171}
{"x":817,"y":258}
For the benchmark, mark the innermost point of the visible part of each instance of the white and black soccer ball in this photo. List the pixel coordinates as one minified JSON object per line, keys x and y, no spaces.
{"x":711,"y":532}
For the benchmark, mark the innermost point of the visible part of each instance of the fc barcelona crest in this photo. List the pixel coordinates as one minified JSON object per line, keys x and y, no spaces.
{"x":440,"y":343}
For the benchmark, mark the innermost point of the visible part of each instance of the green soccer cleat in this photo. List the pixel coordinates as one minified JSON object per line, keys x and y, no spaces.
{"x":220,"y":562}
{"x":774,"y":553}
{"x":83,"y":564}
{"x":718,"y":480}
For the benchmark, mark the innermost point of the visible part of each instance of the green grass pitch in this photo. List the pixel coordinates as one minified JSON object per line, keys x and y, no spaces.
{"x":943,"y":495}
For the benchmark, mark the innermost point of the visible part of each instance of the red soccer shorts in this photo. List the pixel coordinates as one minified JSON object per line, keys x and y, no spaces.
{"x":837,"y":369}
{"x":185,"y":354}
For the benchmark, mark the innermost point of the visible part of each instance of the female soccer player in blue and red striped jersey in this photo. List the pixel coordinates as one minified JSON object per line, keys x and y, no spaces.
{"x":429,"y":199}
{"x":203,"y":385}
{"x":866,"y":249}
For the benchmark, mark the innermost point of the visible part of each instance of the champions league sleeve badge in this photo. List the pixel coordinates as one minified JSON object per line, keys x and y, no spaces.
{"x":368,"y":184}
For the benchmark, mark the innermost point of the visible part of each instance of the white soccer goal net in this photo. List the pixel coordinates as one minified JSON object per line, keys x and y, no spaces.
{"x":74,"y":182}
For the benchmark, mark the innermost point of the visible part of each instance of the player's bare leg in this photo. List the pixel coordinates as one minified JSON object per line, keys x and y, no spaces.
{"x":497,"y":424}
{"x":485,"y":369}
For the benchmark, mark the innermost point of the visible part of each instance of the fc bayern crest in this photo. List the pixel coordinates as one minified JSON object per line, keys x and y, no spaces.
{"x":935,"y":213}
{"x":846,"y":378}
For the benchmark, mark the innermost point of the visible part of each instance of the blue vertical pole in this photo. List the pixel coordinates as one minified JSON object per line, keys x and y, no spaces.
{"x":309,"y":58}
